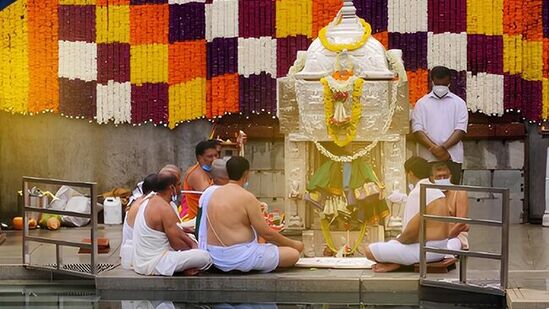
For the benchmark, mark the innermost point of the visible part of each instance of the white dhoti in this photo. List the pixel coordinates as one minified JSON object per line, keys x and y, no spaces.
{"x":245,"y":257}
{"x":178,"y":261}
{"x":395,"y":252}
{"x":153,"y":255}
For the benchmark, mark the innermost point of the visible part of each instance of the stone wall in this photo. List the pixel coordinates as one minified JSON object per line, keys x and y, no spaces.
{"x":55,"y":147}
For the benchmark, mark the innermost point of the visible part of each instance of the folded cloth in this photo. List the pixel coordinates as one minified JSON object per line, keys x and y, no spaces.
{"x":395,"y":252}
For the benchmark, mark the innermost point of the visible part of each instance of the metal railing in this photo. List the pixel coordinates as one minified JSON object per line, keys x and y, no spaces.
{"x":503,"y":257}
{"x":92,"y":246}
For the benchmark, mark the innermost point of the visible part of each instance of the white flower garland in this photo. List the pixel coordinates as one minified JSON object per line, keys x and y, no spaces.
{"x":447,"y":49}
{"x":256,"y":55}
{"x":114,"y":102}
{"x":78,"y":60}
{"x":366,"y":150}
{"x":185,"y":1}
{"x":222,"y":19}
{"x":407,"y":16}
{"x":485,"y":93}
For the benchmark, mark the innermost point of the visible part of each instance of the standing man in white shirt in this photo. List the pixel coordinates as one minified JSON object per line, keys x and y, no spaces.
{"x":439,"y":122}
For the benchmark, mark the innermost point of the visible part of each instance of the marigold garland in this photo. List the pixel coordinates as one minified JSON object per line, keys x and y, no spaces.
{"x":323,"y":13}
{"x":356,"y":111}
{"x":43,"y":56}
{"x":322,"y":35}
{"x":14,"y":58}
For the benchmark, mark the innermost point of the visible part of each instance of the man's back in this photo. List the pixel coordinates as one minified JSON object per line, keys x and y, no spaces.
{"x":228,"y":221}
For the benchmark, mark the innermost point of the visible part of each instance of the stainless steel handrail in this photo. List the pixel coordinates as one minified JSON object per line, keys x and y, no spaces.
{"x":503,"y":256}
{"x":91,"y":186}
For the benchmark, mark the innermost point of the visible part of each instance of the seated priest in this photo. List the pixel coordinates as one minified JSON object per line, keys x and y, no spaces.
{"x":219,"y":178}
{"x":148,"y":187}
{"x":231,"y":222}
{"x":160,"y":246}
{"x":405,"y":249}
{"x":458,"y":203}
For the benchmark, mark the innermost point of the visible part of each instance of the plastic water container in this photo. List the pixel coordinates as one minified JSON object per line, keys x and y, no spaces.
{"x":112,"y":210}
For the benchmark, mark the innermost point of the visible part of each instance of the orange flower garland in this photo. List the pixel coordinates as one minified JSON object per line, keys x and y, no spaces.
{"x":187,"y":60}
{"x":417,"y":85}
{"x":224,"y":96}
{"x":323,"y":13}
{"x":43,"y":56}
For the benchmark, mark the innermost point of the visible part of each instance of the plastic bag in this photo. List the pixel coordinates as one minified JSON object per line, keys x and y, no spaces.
{"x":79,"y":204}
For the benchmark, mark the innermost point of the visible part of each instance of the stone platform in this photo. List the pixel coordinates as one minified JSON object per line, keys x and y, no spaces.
{"x":529,"y":270}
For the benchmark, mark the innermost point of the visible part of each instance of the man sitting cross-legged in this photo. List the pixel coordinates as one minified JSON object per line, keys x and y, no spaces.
{"x":231,"y":223}
{"x":160,"y":246}
{"x":405,"y":249}
{"x":458,"y":203}
{"x":126,"y":249}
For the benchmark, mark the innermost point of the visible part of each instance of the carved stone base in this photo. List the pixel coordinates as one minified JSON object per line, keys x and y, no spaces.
{"x":315,"y":244}
{"x":295,"y":223}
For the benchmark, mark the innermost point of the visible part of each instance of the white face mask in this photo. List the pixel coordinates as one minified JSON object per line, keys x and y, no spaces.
{"x":440,"y":91}
{"x":445,"y":181}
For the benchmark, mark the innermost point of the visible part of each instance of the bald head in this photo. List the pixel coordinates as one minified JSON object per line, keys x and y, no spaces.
{"x":166,"y":181}
{"x":170,"y":168}
{"x":219,"y":172}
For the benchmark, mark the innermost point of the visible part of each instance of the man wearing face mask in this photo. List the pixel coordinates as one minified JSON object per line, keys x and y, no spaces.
{"x":231,"y":223}
{"x":417,"y":172}
{"x":197,"y":177}
{"x":439,"y":122}
{"x":404,"y":250}
{"x":160,"y":247}
{"x":457,"y":201}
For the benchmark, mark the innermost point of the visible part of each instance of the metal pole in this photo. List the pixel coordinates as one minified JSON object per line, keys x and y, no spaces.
{"x":504,"y":240}
{"x":26,"y":256}
{"x":58,"y":255}
{"x":463,"y":269}
{"x":422,"y":228}
{"x":94,"y":250}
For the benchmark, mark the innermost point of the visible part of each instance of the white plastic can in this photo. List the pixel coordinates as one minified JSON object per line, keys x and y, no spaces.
{"x":112,"y":210}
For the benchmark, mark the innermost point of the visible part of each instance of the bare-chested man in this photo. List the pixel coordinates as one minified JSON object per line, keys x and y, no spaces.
{"x":160,"y":246}
{"x":231,"y":223}
{"x":405,"y":249}
{"x":197,"y":177}
{"x":458,"y":203}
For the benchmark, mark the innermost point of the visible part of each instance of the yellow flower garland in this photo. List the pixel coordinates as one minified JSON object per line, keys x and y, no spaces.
{"x":351,"y":46}
{"x":325,"y":228}
{"x":356,"y":112}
